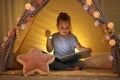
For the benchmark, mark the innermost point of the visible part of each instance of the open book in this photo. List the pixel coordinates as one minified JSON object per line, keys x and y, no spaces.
{"x":83,"y":53}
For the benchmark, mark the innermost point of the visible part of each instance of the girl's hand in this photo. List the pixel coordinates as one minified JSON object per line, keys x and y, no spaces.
{"x":48,"y":33}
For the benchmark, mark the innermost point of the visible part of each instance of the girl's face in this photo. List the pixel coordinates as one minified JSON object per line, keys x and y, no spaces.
{"x":64,"y":27}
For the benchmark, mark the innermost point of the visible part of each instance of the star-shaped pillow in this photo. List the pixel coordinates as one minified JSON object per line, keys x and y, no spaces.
{"x":35,"y":61}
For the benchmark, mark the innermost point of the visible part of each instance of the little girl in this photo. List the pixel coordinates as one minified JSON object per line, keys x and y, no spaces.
{"x":63,"y":42}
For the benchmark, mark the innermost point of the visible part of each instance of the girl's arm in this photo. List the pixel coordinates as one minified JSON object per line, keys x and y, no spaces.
{"x":49,"y":45}
{"x":79,"y":46}
{"x":48,"y":42}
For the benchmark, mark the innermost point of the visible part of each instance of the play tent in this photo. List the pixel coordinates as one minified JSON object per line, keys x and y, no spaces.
{"x":31,"y":9}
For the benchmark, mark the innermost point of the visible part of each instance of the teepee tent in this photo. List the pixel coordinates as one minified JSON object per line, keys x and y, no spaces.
{"x":29,"y":15}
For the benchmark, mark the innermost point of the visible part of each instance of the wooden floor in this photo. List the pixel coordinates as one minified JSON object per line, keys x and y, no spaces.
{"x":86,"y":74}
{"x":20,"y":77}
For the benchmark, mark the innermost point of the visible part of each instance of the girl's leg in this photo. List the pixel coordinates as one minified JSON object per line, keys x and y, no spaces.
{"x":76,"y":64}
{"x":58,"y":65}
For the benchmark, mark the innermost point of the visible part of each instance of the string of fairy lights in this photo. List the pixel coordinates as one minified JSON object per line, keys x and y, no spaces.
{"x":93,"y":8}
{"x":30,"y":10}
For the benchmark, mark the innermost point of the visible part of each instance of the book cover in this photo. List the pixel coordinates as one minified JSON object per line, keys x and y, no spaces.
{"x":83,"y":53}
